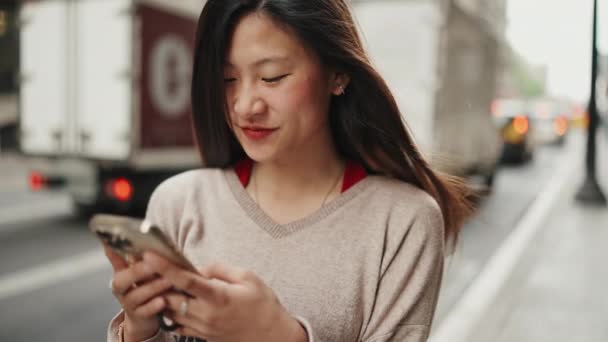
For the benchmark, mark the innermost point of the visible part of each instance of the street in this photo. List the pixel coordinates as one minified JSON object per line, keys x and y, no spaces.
{"x":54,"y":279}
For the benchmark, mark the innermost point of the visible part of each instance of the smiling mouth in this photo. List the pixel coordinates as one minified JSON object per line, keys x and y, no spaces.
{"x":257,"y":133}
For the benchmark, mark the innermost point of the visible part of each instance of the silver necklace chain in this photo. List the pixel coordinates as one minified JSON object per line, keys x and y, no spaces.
{"x":257,"y":200}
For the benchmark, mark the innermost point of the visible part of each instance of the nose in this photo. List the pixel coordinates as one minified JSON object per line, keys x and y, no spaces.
{"x":247,"y":103}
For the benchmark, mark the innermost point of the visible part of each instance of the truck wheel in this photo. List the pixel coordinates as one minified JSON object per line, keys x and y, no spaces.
{"x":8,"y":138}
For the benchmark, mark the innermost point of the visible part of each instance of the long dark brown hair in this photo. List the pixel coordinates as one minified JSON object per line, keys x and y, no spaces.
{"x":366,"y":123}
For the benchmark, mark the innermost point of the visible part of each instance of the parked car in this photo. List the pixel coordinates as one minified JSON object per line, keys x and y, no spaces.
{"x":551,"y":121}
{"x":512,"y":116}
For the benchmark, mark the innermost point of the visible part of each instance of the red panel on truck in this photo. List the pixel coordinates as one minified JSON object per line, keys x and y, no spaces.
{"x":167,"y":43}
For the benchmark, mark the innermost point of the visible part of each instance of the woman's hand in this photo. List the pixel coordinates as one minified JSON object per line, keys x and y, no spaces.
{"x":138,"y":290}
{"x":228,"y":304}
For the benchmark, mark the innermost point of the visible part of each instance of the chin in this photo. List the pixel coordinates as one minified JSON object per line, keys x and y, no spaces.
{"x":260,"y":152}
{"x":259,"y":155}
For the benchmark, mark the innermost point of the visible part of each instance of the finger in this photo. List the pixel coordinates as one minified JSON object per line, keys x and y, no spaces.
{"x":187,"y":281}
{"x":229,"y":274}
{"x":196,"y":308}
{"x":126,"y":278}
{"x":192,"y":325}
{"x":151,"y":308}
{"x":117,"y":262}
{"x":186,"y":330}
{"x":145,"y":293}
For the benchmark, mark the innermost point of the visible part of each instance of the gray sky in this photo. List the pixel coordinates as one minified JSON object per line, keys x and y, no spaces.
{"x":557,"y":33}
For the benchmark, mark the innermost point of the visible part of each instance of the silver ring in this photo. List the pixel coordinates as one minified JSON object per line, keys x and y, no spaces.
{"x":183,"y":307}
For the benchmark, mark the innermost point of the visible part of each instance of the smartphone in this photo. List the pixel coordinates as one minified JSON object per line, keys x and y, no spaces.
{"x":130,"y":238}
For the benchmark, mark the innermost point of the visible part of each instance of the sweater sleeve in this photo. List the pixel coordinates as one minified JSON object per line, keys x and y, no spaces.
{"x":308,"y":328}
{"x":410,"y":278}
{"x":166,"y":205}
{"x":115,"y":331}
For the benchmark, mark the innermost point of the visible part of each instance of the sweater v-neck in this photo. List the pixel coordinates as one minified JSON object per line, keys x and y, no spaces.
{"x":277,"y":230}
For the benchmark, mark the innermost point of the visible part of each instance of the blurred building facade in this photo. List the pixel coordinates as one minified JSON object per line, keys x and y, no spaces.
{"x":492,"y":14}
{"x":456,"y":129}
{"x":518,"y":77}
{"x":473,"y":38}
{"x":473,"y":50}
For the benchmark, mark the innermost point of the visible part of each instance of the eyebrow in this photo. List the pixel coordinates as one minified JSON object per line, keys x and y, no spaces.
{"x":266,"y":60}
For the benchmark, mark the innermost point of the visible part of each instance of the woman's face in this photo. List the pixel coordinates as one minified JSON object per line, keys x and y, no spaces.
{"x":278,"y":92}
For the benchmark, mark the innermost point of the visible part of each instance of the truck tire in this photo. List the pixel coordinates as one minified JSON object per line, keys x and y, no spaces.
{"x":8,"y":138}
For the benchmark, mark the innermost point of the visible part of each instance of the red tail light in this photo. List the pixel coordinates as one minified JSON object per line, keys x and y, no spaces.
{"x":520,"y":124}
{"x":37,"y":181}
{"x":120,"y":188}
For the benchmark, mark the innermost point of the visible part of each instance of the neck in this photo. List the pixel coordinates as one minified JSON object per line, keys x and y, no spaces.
{"x":311,"y":172}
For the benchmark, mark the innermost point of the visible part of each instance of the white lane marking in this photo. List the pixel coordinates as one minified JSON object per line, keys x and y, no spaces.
{"x":461,"y":322}
{"x":49,"y":274}
{"x":38,"y":209}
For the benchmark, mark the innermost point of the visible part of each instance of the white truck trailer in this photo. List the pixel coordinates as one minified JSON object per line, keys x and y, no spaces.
{"x":441,"y":66}
{"x":105,"y":96}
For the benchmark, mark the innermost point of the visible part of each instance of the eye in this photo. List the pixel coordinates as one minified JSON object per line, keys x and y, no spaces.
{"x":229,"y":79}
{"x":275,"y":79}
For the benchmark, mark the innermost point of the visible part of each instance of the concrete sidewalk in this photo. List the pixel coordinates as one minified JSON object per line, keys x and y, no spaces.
{"x":564,"y":297}
{"x":548,"y":281}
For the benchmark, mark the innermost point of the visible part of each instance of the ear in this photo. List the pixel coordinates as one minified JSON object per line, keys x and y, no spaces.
{"x":339,"y":83}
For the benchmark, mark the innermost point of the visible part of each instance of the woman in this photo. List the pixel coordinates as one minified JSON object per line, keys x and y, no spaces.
{"x":315,"y":217}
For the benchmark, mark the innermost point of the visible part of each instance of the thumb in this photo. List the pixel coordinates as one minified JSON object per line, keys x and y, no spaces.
{"x":117,"y":262}
{"x":229,"y":274}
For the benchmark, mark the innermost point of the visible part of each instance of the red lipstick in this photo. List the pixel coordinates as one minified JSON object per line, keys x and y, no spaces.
{"x":257,"y":133}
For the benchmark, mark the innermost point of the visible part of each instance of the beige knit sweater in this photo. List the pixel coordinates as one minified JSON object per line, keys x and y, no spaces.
{"x":365,"y":267}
